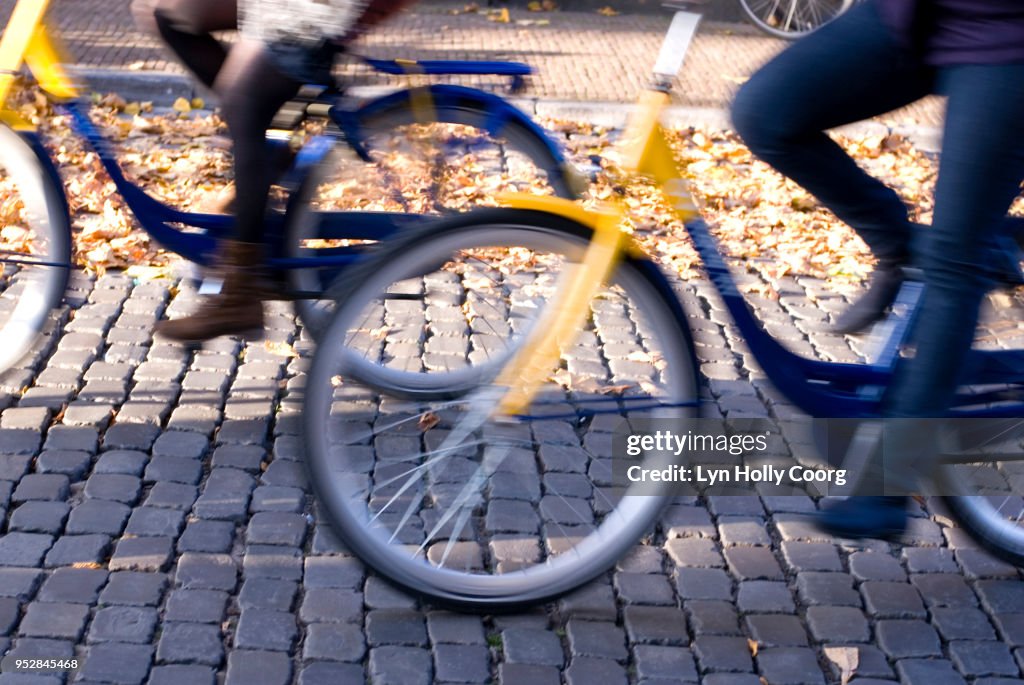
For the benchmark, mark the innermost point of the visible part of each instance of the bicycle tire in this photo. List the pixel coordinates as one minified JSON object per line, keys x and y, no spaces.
{"x":494,"y":563}
{"x":985,"y":517}
{"x":35,"y":243}
{"x":396,"y":113}
{"x":800,"y":22}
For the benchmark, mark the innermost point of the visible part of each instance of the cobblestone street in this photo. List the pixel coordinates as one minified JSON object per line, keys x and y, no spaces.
{"x":159,"y":527}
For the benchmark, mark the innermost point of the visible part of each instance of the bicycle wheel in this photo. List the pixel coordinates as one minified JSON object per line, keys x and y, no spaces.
{"x":35,"y":244}
{"x":792,"y":19}
{"x":449,"y":165}
{"x":985,"y":487}
{"x":438,"y":496}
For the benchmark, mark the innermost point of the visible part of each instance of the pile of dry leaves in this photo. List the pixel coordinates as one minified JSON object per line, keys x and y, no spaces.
{"x":181,"y":156}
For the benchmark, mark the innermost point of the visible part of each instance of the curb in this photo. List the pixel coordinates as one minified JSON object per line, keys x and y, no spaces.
{"x":163,"y":88}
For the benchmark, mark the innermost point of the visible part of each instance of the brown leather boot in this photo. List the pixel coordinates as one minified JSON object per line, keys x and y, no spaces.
{"x":236,"y":310}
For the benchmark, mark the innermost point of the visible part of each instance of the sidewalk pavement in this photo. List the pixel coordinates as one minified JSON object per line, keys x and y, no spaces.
{"x":583,"y":60}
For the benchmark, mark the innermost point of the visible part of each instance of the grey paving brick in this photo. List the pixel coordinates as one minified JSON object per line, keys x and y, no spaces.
{"x":276,"y":528}
{"x":180,"y":444}
{"x":685,"y":521}
{"x":20,"y":583}
{"x":226,"y":495}
{"x":764,"y":597}
{"x":694,"y":552}
{"x":753,"y":563}
{"x":797,"y":527}
{"x":70,"y":550}
{"x":127,"y":462}
{"x":654,"y":662}
{"x":207,"y":536}
{"x":887,"y":599}
{"x":811,"y":556}
{"x":77,"y":438}
{"x":155,"y":521}
{"x":254,"y":667}
{"x":278,"y":595}
{"x":130,"y":436}
{"x":837,"y":624}
{"x":644,"y":588}
{"x":332,"y":571}
{"x":273,"y":561}
{"x":57,"y":620}
{"x":174,"y":470}
{"x":142,"y":554}
{"x":835,"y":589}
{"x":453,"y":628}
{"x":40,"y":517}
{"x":929,"y":560}
{"x":871,"y":566}
{"x":944,"y":589}
{"x":174,"y":674}
{"x":123,"y":624}
{"x":12,"y":468}
{"x":114,"y":487}
{"x":75,"y":585}
{"x":712,"y":617}
{"x":588,"y":670}
{"x":23,"y":549}
{"x":172,"y":496}
{"x":98,"y":516}
{"x":19,"y":441}
{"x":962,"y":623}
{"x":508,"y":674}
{"x":928,"y":672}
{"x":95,"y":415}
{"x":601,"y":639}
{"x":379,"y":594}
{"x":334,"y":642}
{"x":461,"y":664}
{"x":718,"y":654}
{"x":113,"y":662}
{"x":395,"y":627}
{"x":775,"y":630}
{"x":976,"y":658}
{"x":328,"y":673}
{"x":790,"y":666}
{"x":657,"y":625}
{"x":28,"y":418}
{"x":703,"y":583}
{"x":907,"y":638}
{"x":244,"y":457}
{"x":1010,"y":627}
{"x":72,"y":463}
{"x":978,"y":563}
{"x":206,"y":572}
{"x":391,"y":665}
{"x":134,"y":588}
{"x":10,"y":612}
{"x":190,"y":643}
{"x":265,"y":629}
{"x":196,"y":606}
{"x":529,"y":646}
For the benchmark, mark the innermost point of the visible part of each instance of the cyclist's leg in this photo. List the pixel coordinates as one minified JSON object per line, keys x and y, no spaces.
{"x":186,"y":26}
{"x":850,"y":69}
{"x":979,"y":177}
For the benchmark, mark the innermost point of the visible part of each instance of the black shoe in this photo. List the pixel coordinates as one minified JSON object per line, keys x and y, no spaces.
{"x":884,"y":518}
{"x":871,"y":306}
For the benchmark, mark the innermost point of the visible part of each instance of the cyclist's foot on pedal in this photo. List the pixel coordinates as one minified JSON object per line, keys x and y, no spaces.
{"x":871,"y":306}
{"x":884,"y":518}
{"x":236,"y":310}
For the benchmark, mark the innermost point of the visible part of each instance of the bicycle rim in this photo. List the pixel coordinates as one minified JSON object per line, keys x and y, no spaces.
{"x":461,"y":508}
{"x":792,"y":19}
{"x":439,"y":168}
{"x":34,"y":247}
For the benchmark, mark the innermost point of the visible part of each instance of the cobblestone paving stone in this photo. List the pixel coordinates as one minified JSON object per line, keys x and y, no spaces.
{"x":177,"y":555}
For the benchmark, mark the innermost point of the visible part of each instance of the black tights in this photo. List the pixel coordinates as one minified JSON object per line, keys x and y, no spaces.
{"x":250,"y":88}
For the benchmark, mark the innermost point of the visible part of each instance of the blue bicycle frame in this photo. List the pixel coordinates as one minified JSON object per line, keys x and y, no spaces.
{"x":161,"y":221}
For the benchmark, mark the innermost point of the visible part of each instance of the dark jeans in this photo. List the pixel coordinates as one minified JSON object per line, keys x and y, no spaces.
{"x":853,"y":69}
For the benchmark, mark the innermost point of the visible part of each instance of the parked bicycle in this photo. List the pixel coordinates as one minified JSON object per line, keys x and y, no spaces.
{"x":399,"y":145}
{"x":509,"y":490}
{"x":792,"y":19}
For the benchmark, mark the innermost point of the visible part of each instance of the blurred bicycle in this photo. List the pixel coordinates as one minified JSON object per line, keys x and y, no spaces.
{"x":792,"y":19}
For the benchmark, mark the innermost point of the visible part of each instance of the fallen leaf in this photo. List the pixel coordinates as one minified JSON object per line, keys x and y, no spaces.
{"x":846,"y":660}
{"x":501,"y":16}
{"x":428,"y":421}
{"x":752,"y":646}
{"x":608,"y":11}
{"x":182,"y":105}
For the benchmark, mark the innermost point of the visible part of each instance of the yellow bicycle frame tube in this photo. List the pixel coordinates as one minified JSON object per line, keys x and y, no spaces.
{"x":26,"y":41}
{"x":647,"y":153}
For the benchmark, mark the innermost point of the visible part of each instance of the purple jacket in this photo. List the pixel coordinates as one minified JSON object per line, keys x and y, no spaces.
{"x":959,"y":31}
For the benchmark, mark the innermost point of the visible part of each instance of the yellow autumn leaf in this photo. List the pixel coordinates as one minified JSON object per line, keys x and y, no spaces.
{"x":608,"y":11}
{"x":182,"y":105}
{"x":132,"y":108}
{"x":198,"y":103}
{"x":502,"y":16}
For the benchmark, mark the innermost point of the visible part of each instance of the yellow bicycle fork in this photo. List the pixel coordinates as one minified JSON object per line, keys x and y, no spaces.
{"x":647,"y":153}
{"x":27,"y":41}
